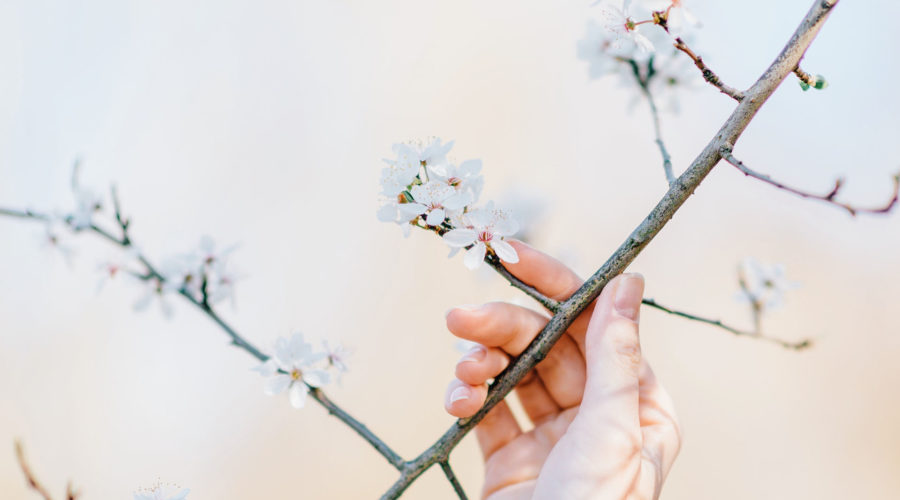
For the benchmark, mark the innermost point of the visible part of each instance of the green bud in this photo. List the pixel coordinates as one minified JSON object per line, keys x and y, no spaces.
{"x":820,"y":82}
{"x":803,"y":85}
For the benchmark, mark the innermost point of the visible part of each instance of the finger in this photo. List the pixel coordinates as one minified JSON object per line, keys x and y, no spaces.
{"x":497,"y":429}
{"x":553,"y":279}
{"x":463,"y":400}
{"x":512,"y":328}
{"x":536,"y":399}
{"x":660,"y":430}
{"x":481,"y":364}
{"x":608,"y":417}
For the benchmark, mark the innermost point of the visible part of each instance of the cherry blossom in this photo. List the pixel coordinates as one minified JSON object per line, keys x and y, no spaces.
{"x":293,"y":368}
{"x":435,"y":200}
{"x":623,"y":28}
{"x":464,"y":178}
{"x":484,"y":229}
{"x":763,"y":285}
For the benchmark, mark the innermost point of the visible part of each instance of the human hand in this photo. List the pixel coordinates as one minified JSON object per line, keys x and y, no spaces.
{"x":603,"y":426}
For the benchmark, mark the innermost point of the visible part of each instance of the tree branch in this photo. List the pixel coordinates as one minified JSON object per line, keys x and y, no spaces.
{"x":644,"y":84}
{"x":677,"y":194}
{"x":714,"y":322}
{"x":237,"y":340}
{"x":708,"y":74}
{"x":32,"y":481}
{"x":457,"y":487}
{"x":827,"y":198}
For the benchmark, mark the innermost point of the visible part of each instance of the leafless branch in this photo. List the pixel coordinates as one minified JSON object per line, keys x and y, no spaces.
{"x":30,"y":478}
{"x":708,"y":74}
{"x":830,"y":197}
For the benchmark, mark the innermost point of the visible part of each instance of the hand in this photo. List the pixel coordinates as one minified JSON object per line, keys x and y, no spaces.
{"x":603,"y":426}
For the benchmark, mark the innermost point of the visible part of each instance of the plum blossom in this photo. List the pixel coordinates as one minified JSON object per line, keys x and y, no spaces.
{"x":436,"y":201}
{"x":162,"y":492}
{"x":154,"y":291}
{"x":464,"y":178}
{"x":763,"y":285}
{"x":622,"y":27}
{"x":293,"y":368}
{"x":483,"y":229}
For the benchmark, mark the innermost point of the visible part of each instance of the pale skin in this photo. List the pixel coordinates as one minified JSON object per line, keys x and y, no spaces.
{"x":604,"y":428}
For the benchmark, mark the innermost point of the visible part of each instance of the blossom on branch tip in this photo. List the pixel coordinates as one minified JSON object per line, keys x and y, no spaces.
{"x":483,"y":229}
{"x":763,"y":285}
{"x":622,"y":27}
{"x":292,"y":367}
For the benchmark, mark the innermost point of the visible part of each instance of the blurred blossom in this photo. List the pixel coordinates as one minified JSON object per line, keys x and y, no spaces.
{"x":154,"y":292}
{"x":293,"y":367}
{"x":763,"y":285}
{"x":621,"y":28}
{"x":162,"y":492}
{"x":56,"y":238}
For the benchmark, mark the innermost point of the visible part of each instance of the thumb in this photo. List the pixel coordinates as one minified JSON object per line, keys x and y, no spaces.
{"x":609,"y":409}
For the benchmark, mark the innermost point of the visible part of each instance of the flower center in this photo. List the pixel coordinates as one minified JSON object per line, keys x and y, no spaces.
{"x":454,"y":181}
{"x":485,"y":236}
{"x":296,"y":374}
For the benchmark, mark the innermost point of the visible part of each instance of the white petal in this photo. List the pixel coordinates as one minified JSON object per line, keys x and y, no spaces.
{"x":643,"y":42}
{"x":409,"y":211}
{"x":475,"y":256}
{"x":460,"y":237}
{"x":298,"y":395}
{"x":387,"y":213}
{"x":506,"y":227}
{"x":267,"y":369}
{"x":299,"y":349}
{"x":453,"y":252}
{"x":505,"y":251}
{"x":405,"y":229}
{"x":277,"y":384}
{"x":316,"y":378}
{"x":469,"y":167}
{"x":457,"y":201}
{"x":435,"y":217}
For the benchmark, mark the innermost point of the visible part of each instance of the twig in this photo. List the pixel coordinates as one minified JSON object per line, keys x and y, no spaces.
{"x":33,"y":483}
{"x":457,"y":487}
{"x":827,"y":198}
{"x":708,"y":74}
{"x":677,"y":194}
{"x":236,"y":339}
{"x":644,"y":84}
{"x":789,"y":345}
{"x":808,"y":81}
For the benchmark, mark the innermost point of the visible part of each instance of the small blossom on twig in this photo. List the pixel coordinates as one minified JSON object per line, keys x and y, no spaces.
{"x":622,"y":27}
{"x":293,"y":368}
{"x":483,"y":229}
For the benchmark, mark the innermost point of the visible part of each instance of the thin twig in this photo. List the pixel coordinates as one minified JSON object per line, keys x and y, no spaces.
{"x":236,"y":339}
{"x":674,"y":198}
{"x":457,"y":487}
{"x":714,"y":322}
{"x":33,"y":483}
{"x":644,"y":84}
{"x":827,"y":198}
{"x":708,"y":74}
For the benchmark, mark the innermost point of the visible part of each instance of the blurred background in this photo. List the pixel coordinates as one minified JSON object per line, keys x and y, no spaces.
{"x":264,"y":124}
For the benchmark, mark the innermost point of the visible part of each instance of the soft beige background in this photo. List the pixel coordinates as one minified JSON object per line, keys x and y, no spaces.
{"x":264,"y":123}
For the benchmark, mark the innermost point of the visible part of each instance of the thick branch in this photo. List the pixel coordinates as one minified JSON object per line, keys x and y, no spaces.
{"x":827,"y":198}
{"x":708,"y":74}
{"x":677,"y":194}
{"x":236,"y":339}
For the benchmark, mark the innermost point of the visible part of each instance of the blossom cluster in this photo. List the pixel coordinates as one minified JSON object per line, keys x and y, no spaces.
{"x":762,"y":285}
{"x":296,"y":367}
{"x":635,"y":42}
{"x":423,"y":188}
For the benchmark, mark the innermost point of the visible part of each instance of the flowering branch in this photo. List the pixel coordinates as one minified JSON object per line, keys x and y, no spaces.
{"x":203,"y":303}
{"x":708,"y":74}
{"x":644,"y":84}
{"x":32,"y":481}
{"x":828,"y":198}
{"x":677,"y":194}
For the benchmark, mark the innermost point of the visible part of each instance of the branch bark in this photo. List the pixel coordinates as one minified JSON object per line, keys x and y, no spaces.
{"x":678,"y":193}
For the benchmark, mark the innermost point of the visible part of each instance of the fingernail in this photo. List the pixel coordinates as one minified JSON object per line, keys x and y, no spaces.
{"x":476,"y":353}
{"x":628,"y":296}
{"x":464,"y":307}
{"x":460,"y":393}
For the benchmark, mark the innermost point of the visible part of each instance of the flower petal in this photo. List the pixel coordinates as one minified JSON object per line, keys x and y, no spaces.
{"x":435,"y":217}
{"x":316,"y":378}
{"x":409,"y":211}
{"x":469,"y":167}
{"x":505,"y":251}
{"x":277,"y":384}
{"x":267,"y":369}
{"x":458,"y":200}
{"x":387,"y":213}
{"x":298,"y":394}
{"x":475,"y":256}
{"x":460,"y":237}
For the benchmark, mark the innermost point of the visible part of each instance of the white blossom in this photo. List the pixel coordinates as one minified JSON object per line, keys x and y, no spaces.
{"x":292,"y":367}
{"x":162,"y":492}
{"x":622,"y":27}
{"x":483,"y":229}
{"x":436,"y":201}
{"x":154,"y":291}
{"x":465,"y":178}
{"x":763,"y":285}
